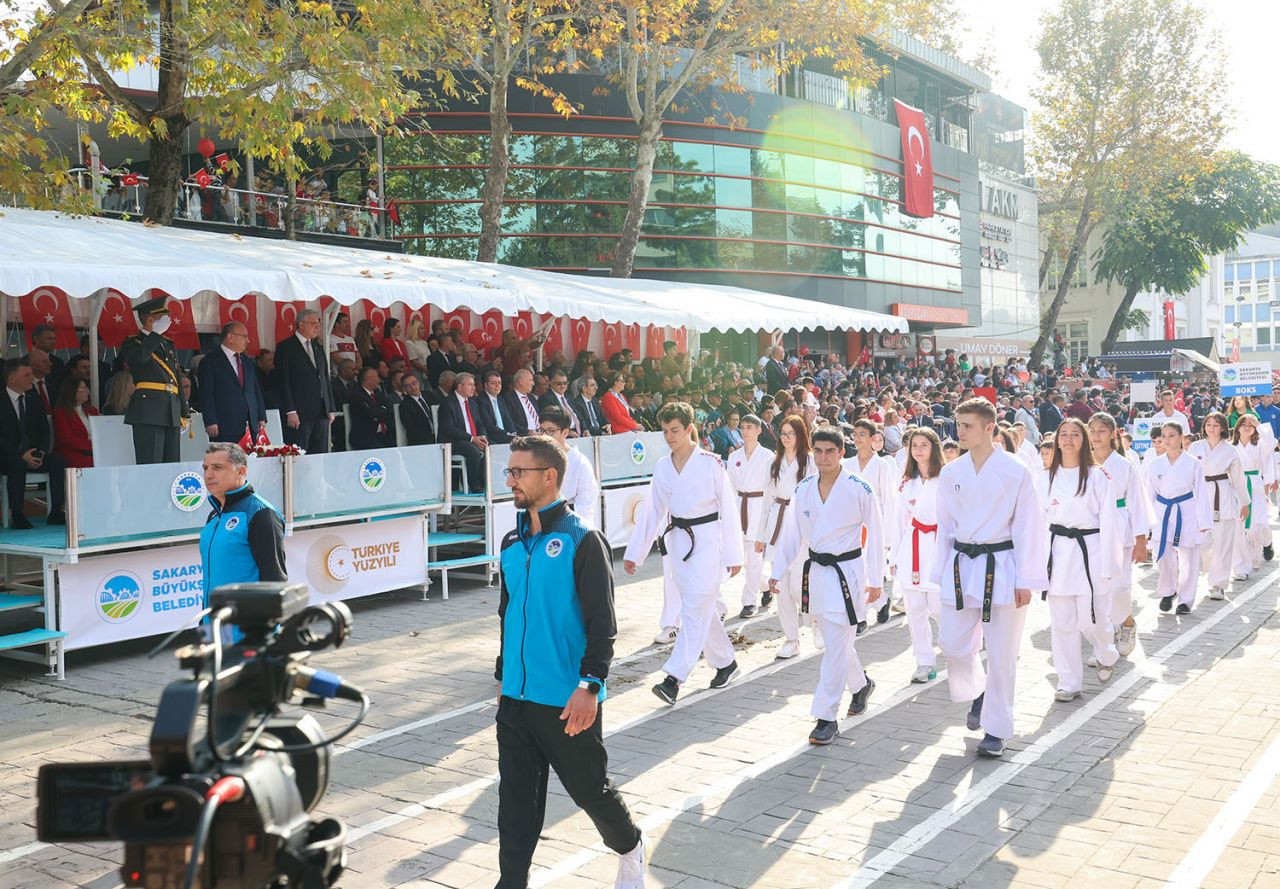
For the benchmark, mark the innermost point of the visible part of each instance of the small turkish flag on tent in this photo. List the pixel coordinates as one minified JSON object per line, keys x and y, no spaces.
{"x":555,"y":338}
{"x":654,"y":338}
{"x":917,"y":161}
{"x":579,"y":334}
{"x":49,"y":306}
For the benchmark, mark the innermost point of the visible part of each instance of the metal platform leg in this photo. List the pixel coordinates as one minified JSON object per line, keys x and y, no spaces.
{"x":444,"y":582}
{"x":54,"y":652}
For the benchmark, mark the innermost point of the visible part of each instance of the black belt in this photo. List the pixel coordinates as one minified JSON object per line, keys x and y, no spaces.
{"x":830,"y":560}
{"x":1078,"y":535}
{"x":687,"y":525}
{"x":973,"y":550}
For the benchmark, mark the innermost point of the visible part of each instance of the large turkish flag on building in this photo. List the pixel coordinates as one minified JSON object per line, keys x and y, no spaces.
{"x":917,"y":161}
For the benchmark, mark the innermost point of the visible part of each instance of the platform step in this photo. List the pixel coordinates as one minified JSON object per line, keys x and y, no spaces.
{"x":463,"y":562}
{"x":451,"y":538}
{"x":30,"y":637}
{"x":10,"y":601}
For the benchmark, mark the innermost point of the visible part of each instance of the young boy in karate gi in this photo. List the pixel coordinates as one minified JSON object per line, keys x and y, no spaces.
{"x":748,"y":468}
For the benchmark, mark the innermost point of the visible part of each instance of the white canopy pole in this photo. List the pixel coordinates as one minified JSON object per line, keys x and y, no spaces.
{"x":95,"y":315}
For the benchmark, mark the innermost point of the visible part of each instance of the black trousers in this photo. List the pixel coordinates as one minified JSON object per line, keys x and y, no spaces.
{"x":311,"y":435}
{"x":15,"y":476}
{"x":155,"y":444}
{"x":531,"y":740}
{"x":474,"y":458}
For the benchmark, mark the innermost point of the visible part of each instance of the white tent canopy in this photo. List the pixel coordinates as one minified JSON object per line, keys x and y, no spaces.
{"x":82,"y":256}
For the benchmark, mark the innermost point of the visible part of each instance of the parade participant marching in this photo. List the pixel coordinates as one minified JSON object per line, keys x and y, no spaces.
{"x":580,"y":488}
{"x":1135,"y":507}
{"x":1084,"y":558}
{"x":992,"y":552}
{"x":882,"y":475}
{"x":791,"y":463}
{"x":748,"y":468}
{"x":916,"y":548}
{"x":1223,"y":470}
{"x":157,"y":410}
{"x":1251,"y":533}
{"x":1183,"y":508}
{"x":701,"y":540}
{"x":829,"y":515}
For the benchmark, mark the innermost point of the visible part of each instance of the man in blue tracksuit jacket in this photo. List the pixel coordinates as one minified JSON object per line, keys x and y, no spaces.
{"x":558,"y":628}
{"x":243,"y":538}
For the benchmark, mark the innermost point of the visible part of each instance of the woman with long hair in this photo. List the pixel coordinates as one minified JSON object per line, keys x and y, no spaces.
{"x":791,"y":463}
{"x":369,"y":353}
{"x":1253,"y":533}
{"x":71,"y":412}
{"x":914,"y":554}
{"x":1084,"y":555}
{"x":118,"y":394}
{"x":415,"y":345}
{"x":1224,"y":474}
{"x":392,"y":346}
{"x":1237,"y":408}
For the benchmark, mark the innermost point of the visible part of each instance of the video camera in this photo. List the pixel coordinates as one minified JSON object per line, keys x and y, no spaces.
{"x":225,"y":807}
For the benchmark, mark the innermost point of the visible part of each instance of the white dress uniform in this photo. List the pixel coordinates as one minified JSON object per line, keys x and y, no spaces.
{"x":1224,"y":477}
{"x":580,"y":487}
{"x":1182,"y":508}
{"x":971,"y":516}
{"x":777,"y":501}
{"x":1084,"y":549}
{"x":832,"y":530}
{"x":748,"y":475}
{"x":1135,"y":507}
{"x":693,"y":513}
{"x":1253,"y":534}
{"x":914,"y":558}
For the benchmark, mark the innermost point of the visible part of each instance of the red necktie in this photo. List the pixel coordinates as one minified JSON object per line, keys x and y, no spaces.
{"x":239,"y":370}
{"x":44,"y":396}
{"x":471,"y":424}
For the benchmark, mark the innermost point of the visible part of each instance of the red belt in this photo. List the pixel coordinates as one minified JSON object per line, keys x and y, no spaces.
{"x":917,"y":528}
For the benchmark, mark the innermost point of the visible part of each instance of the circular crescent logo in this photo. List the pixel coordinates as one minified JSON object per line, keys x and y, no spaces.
{"x":373,"y":474}
{"x":187,"y":491}
{"x":48,"y":315}
{"x":329,"y":564}
{"x":119,"y":597}
{"x":339,"y":563}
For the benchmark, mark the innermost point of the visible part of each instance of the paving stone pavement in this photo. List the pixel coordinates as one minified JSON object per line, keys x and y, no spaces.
{"x":1111,"y":790}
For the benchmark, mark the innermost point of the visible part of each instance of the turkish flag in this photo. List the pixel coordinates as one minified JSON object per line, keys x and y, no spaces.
{"x":129,"y":179}
{"x":246,"y":440}
{"x":244,"y":310}
{"x":423,"y":313}
{"x":376,"y":316}
{"x":49,"y":306}
{"x":117,"y":321}
{"x":612,"y":339}
{"x":987,"y":392}
{"x":491,"y":326}
{"x":682,"y":339}
{"x":522,"y":324}
{"x":223,"y":161}
{"x":579,"y":335}
{"x":917,"y":161}
{"x":458,"y":319}
{"x":203,"y":178}
{"x":555,"y":338}
{"x":393,"y":212}
{"x":653,"y":340}
{"x":1170,"y":322}
{"x":286,"y":313}
{"x":182,"y":324}
{"x":631,"y":339}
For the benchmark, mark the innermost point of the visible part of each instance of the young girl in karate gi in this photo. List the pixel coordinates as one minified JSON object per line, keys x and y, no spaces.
{"x":1252,"y":533}
{"x":1224,"y":475}
{"x":915,"y":549}
{"x":1182,"y":508}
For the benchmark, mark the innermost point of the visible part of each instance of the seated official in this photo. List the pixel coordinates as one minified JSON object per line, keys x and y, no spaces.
{"x":588,"y":408}
{"x":72,"y":440}
{"x":415,"y":414}
{"x":460,"y":427}
{"x":24,"y":445}
{"x":371,"y":422}
{"x":616,"y":409}
{"x":493,"y":412}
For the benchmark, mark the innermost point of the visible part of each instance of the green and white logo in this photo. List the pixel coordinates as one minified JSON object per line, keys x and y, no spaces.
{"x":187,"y":492}
{"x":119,"y":597}
{"x":373,"y":474}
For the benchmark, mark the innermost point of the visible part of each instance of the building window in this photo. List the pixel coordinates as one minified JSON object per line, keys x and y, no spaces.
{"x":1264,"y":336}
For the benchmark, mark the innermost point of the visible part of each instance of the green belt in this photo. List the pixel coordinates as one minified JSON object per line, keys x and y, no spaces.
{"x":1248,"y":480}
{"x":1120,"y":504}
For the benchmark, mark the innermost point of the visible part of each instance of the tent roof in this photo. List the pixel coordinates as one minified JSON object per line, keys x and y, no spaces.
{"x":82,"y":255}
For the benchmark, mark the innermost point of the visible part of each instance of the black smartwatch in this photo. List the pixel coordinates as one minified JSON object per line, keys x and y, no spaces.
{"x":591,"y":685}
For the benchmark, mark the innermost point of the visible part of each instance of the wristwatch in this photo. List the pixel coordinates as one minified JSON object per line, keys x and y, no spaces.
{"x":590,"y":684}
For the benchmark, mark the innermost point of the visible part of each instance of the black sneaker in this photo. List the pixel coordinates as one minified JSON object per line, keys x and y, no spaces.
{"x":824,"y":732}
{"x":668,"y":689}
{"x":1166,"y":603}
{"x":1183,"y":609}
{"x":973,"y":721}
{"x":1268,"y":553}
{"x":882,"y":616}
{"x":766,"y":599}
{"x":747,"y":611}
{"x":725,"y":675}
{"x":858,"y":704}
{"x":991,"y":746}
{"x":57,"y":517}
{"x":862,"y":627}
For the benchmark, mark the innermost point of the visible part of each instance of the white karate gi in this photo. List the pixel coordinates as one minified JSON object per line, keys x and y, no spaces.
{"x":834,"y":526}
{"x":1248,"y":542}
{"x":1231,"y":495}
{"x":698,"y":565}
{"x":1179,"y":568}
{"x":1075,"y":610}
{"x":994,"y":505}
{"x":883,"y":477}
{"x":1126,"y":481}
{"x":749,"y":475}
{"x":769,"y":529}
{"x":580,"y":487}
{"x":1030,"y":455}
{"x":917,"y":502}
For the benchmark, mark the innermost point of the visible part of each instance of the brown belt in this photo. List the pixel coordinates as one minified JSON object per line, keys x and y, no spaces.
{"x":744,"y":497}
{"x":1217,"y":492}
{"x":782,"y":509}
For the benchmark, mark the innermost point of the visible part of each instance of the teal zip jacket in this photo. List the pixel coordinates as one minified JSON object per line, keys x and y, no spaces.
{"x":556,"y":609}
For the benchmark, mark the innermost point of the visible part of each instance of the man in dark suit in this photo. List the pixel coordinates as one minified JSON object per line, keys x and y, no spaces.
{"x":45,"y":337}
{"x":587,"y":406}
{"x":775,"y":375}
{"x":460,"y":427}
{"x":492,"y":411}
{"x":302,"y":386}
{"x":230,"y":398}
{"x":343,"y":381}
{"x":157,"y":407}
{"x":371,"y":419}
{"x":266,"y":365}
{"x":24,"y":445}
{"x":557,"y":395}
{"x":415,"y":414}
{"x":442,"y":359}
{"x":521,"y":403}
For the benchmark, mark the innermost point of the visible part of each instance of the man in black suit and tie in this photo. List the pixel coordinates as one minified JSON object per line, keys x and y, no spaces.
{"x":371,"y":418}
{"x":557,"y":395}
{"x":775,"y":374}
{"x":460,"y":427}
{"x":588,"y":408}
{"x":24,"y":445}
{"x":492,"y":411}
{"x":230,"y":397}
{"x":442,"y":359}
{"x":521,"y":403}
{"x":343,"y":381}
{"x":415,"y":414}
{"x":302,"y":386}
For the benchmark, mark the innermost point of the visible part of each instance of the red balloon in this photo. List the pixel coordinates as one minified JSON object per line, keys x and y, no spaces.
{"x":478,"y":338}
{"x":206,"y":147}
{"x":804,"y":350}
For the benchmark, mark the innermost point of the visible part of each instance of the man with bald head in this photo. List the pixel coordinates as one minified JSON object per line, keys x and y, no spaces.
{"x":231,"y":400}
{"x":521,"y":403}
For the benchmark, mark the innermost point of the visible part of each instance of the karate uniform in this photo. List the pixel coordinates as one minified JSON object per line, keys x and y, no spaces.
{"x":1126,"y":482}
{"x":1186,"y":497}
{"x":993,"y":506}
{"x":748,"y":475}
{"x":1229,"y":494}
{"x":1080,"y":582}
{"x":914,"y":558}
{"x":580,"y":487}
{"x":698,"y":557}
{"x":834,"y":528}
{"x":777,"y":503}
{"x":883,"y":477}
{"x":1259,"y":471}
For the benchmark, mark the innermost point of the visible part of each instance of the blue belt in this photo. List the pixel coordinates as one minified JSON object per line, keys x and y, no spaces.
{"x":1169,"y":504}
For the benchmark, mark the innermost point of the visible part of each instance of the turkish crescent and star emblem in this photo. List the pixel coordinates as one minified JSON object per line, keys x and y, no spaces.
{"x":917,"y":162}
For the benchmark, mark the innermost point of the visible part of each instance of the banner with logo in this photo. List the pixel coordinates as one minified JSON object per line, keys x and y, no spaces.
{"x":633,"y":455}
{"x":348,"y":561}
{"x":1251,"y":378}
{"x":1142,"y":428}
{"x":621,"y":507}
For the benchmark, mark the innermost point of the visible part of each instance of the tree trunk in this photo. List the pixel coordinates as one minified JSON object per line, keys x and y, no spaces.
{"x":291,"y":208}
{"x":165,"y":172}
{"x":495,"y":177}
{"x":624,"y":258}
{"x":1118,"y":319}
{"x":1050,"y":317}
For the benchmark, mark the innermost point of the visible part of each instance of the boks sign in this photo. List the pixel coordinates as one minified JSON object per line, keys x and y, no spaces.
{"x":1252,"y":378}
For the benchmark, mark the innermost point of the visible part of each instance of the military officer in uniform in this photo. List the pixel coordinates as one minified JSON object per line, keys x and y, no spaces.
{"x":157,"y":410}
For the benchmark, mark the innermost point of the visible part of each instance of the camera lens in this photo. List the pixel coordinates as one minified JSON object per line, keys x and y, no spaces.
{"x":160,"y":812}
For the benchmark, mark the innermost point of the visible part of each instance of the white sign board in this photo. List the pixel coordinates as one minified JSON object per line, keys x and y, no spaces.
{"x":1250,"y":378}
{"x":1142,"y":392}
{"x":621,"y":506}
{"x":348,"y":561}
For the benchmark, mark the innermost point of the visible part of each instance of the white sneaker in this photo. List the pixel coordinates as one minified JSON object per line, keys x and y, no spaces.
{"x":1092,"y":661}
{"x":924,"y":674}
{"x":1063,"y":695}
{"x":1126,"y":639}
{"x":789,"y":649}
{"x":631,"y":868}
{"x":817,"y":639}
{"x":1216,"y":593}
{"x":666,"y":636}
{"x":1104,"y":673}
{"x":1238,"y":576}
{"x":897,"y":605}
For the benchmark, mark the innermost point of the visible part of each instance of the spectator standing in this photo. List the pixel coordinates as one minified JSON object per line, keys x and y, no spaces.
{"x":72,"y":440}
{"x":303,"y":386}
{"x":24,"y":445}
{"x":1078,"y":410}
{"x":231,"y":400}
{"x":243,"y":538}
{"x":156,"y":409}
{"x":45,"y":338}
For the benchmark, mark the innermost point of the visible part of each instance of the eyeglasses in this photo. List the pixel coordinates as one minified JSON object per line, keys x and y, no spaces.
{"x":516,"y":472}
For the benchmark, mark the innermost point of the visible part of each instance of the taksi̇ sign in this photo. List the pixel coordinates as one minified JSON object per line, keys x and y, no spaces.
{"x":1249,"y":378}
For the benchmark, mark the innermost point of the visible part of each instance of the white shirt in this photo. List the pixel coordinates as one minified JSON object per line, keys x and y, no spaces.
{"x":468,"y":419}
{"x":580,"y":486}
{"x":306,"y":348}
{"x":342,"y":347}
{"x":530,"y":410}
{"x":881,"y":473}
{"x":750,"y":475}
{"x":1095,"y":508}
{"x":1173,"y":479}
{"x":783,"y":489}
{"x":917,"y":499}
{"x":1177,"y":416}
{"x":1232,"y":493}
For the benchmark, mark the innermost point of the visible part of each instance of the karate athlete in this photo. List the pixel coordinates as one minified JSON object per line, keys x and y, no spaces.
{"x":791,"y":463}
{"x":748,"y":469}
{"x":1135,"y":506}
{"x":992,"y":552}
{"x":1084,"y":558}
{"x":840,"y":573}
{"x":1252,"y":533}
{"x":1183,"y":508}
{"x":882,"y":475}
{"x":1224,"y":474}
{"x":701,"y":541}
{"x":580,"y":489}
{"x":916,"y":549}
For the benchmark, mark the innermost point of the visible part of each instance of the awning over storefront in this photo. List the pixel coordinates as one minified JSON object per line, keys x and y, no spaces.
{"x":82,"y":256}
{"x":1164,"y":356}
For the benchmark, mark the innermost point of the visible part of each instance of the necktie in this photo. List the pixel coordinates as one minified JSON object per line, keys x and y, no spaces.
{"x":573,"y":417}
{"x":591,"y":412}
{"x":239,"y":370}
{"x":497,"y":413}
{"x":471,"y":424}
{"x":22,"y":423}
{"x":44,"y":395}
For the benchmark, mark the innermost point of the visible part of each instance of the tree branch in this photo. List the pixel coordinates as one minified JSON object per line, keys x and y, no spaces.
{"x":105,"y":82}
{"x":49,"y":29}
